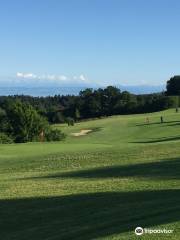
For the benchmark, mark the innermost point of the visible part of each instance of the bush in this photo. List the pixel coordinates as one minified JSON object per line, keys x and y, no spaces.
{"x":25,"y":123}
{"x":5,"y":138}
{"x":70,"y":121}
{"x":54,"y":135}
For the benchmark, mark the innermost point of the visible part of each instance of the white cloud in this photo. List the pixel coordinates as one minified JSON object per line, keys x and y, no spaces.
{"x":26,"y":75}
{"x":44,"y":76}
{"x":18,"y":74}
{"x":51,"y":78}
{"x":62,"y":78}
{"x":82,"y":77}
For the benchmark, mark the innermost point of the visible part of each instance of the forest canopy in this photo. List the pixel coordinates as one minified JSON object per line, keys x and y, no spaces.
{"x":173,"y":86}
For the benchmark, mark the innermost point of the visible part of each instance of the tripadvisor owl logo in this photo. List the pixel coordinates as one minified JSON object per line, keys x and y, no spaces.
{"x":139,"y":231}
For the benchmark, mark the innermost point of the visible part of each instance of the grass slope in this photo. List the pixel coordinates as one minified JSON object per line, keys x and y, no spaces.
{"x":100,"y":186}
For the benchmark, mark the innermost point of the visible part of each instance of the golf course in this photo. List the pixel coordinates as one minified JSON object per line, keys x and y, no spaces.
{"x":108,"y":176}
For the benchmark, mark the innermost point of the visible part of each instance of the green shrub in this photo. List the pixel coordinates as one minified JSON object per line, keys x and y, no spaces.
{"x":5,"y":138}
{"x":54,"y":135}
{"x":24,"y":121}
{"x":70,"y":121}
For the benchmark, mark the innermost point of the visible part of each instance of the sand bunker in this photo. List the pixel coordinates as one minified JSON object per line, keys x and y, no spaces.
{"x":82,"y":132}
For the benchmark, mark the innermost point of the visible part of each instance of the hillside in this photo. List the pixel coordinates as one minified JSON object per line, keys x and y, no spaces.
{"x":122,"y":174}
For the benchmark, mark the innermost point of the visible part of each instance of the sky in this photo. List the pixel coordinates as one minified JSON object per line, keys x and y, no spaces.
{"x":89,"y":42}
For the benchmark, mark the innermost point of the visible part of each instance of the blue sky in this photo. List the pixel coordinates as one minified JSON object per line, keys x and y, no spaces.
{"x":89,"y":41}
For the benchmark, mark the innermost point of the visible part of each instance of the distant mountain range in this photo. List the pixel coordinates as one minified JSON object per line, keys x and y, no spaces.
{"x":50,"y":91}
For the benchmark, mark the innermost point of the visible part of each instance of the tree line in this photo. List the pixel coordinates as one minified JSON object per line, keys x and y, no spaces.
{"x":94,"y":103}
{"x":25,"y":118}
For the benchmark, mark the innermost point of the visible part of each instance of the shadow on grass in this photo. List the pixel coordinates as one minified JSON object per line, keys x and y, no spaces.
{"x":163,"y":169}
{"x":172,"y":125}
{"x":87,"y":216}
{"x":156,"y":123}
{"x":95,"y":129}
{"x":158,"y":140}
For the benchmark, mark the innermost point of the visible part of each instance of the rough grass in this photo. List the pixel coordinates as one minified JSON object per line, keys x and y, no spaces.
{"x":99,"y":186}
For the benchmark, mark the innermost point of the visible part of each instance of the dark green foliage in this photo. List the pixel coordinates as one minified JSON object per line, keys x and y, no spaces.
{"x":174,"y":101}
{"x":4,"y":123}
{"x":93,"y":103}
{"x":54,"y":135}
{"x":24,"y":124}
{"x":5,"y":138}
{"x":70,"y":121}
{"x":173,"y":86}
{"x":58,"y":118}
{"x":77,"y":114}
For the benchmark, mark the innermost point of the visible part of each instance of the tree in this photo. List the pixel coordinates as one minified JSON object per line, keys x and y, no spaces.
{"x":4,"y":123}
{"x":77,"y":114}
{"x":173,"y":86}
{"x":26,"y":124}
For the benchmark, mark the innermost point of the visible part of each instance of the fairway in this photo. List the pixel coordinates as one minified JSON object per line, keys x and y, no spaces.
{"x":102,"y":185}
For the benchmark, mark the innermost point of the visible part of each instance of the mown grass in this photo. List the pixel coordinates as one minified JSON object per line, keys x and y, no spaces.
{"x":100,"y":186}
